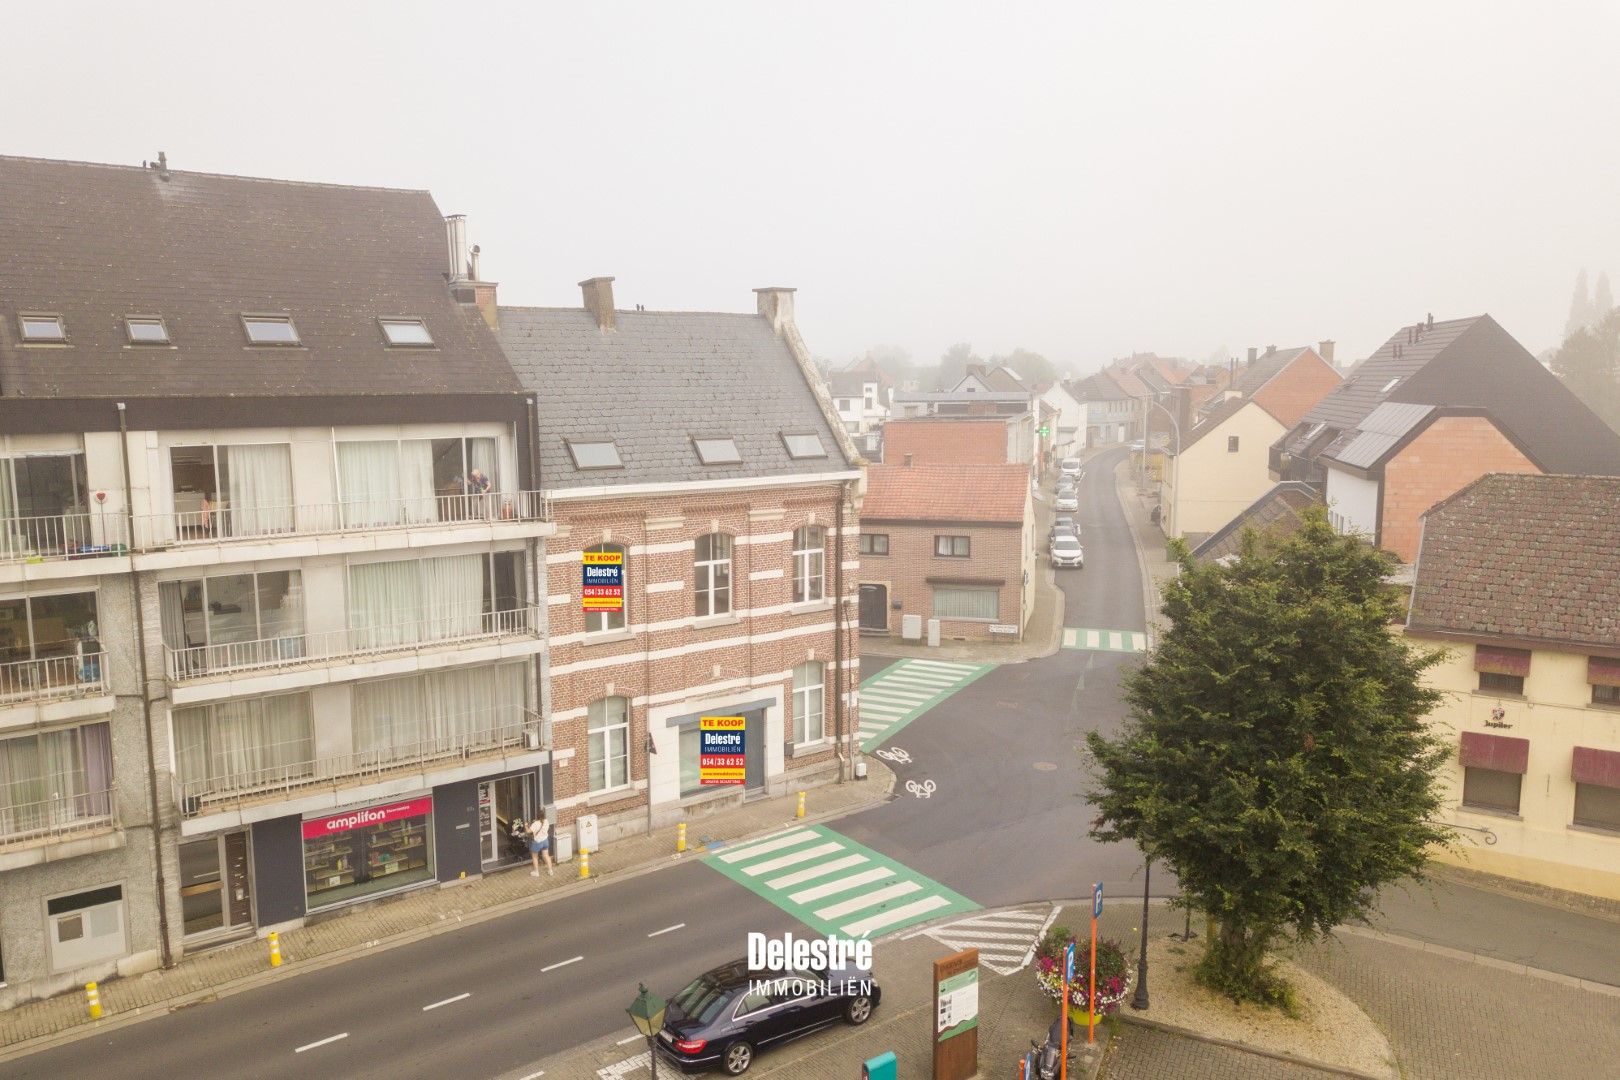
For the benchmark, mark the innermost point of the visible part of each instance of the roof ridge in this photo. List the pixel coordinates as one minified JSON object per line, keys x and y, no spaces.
{"x":630,"y":311}
{"x":210,"y":175}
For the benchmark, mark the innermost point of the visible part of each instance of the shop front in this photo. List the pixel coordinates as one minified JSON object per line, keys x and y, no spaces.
{"x":354,"y":853}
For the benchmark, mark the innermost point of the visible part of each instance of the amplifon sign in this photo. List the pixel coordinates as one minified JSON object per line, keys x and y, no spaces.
{"x":603,"y":587}
{"x":721,"y":754}
{"x":370,"y":815}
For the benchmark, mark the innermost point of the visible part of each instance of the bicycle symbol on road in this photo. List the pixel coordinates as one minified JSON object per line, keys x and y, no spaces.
{"x":924,"y":790}
{"x":896,"y":755}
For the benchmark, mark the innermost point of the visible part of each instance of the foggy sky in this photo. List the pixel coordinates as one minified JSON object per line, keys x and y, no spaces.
{"x":1080,"y":179}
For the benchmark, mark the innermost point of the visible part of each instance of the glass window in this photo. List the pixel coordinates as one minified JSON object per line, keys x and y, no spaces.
{"x":345,"y":860}
{"x":953,"y":547}
{"x":1231,"y":444}
{"x":594,"y":455}
{"x":1606,"y":695}
{"x":86,"y":927}
{"x":55,"y":778}
{"x":874,"y":543}
{"x":691,"y":758}
{"x":416,"y":717}
{"x":144,"y":331}
{"x":48,"y":642}
{"x":966,"y":603}
{"x":804,"y":446}
{"x":463,"y":477}
{"x":598,"y":621}
{"x":270,"y":329}
{"x":1489,"y":789}
{"x":406,"y":332}
{"x":232,"y":621}
{"x":808,"y":702}
{"x":712,"y":565}
{"x":43,"y":328}
{"x":717,"y":451}
{"x":1501,"y":684}
{"x":809,"y":564}
{"x":609,"y":727}
{"x":701,"y":1000}
{"x":243,"y":744}
{"x":232,"y":490}
{"x":1597,"y":807}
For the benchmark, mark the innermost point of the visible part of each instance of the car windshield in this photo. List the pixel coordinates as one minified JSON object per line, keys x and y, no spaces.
{"x":701,"y":1000}
{"x":1066,"y":543}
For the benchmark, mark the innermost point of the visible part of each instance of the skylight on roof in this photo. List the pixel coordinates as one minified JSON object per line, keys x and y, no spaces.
{"x":406,"y":332}
{"x":804,"y":446}
{"x":146,"y":331}
{"x":270,"y":329}
{"x":717,"y":451}
{"x":43,"y":328}
{"x":597,"y":454}
{"x":1315,"y":431}
{"x":1390,"y":385}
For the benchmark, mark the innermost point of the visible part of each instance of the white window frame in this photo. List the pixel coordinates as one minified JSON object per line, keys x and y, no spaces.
{"x":710,"y":599}
{"x":809,"y":564}
{"x":70,"y":955}
{"x":993,"y":590}
{"x":609,"y":622}
{"x":602,"y":725}
{"x":808,"y":728}
{"x":249,"y":320}
{"x":26,"y":317}
{"x":405,"y":321}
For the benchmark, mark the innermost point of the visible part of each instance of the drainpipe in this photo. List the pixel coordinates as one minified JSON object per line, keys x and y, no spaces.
{"x":538,"y":584}
{"x":165,"y":956}
{"x":646,"y":672}
{"x":845,"y":755}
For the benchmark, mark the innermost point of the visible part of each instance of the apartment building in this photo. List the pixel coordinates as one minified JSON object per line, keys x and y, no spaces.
{"x":703,"y":450}
{"x":268,"y":614}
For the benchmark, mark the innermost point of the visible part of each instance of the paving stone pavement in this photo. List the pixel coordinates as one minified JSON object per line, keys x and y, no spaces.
{"x":1141,"y":1053}
{"x":421,"y":913}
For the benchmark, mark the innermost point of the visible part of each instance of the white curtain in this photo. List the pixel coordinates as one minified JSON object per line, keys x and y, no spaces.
{"x":437,"y":713}
{"x":261,"y":489}
{"x":385,"y":604}
{"x":389,"y":718}
{"x":61,"y":769}
{"x":416,"y":480}
{"x":172,"y":613}
{"x":481,"y":458}
{"x":452,"y":596}
{"x":369,"y":480}
{"x":10,"y":542}
{"x":245,"y":742}
{"x":20,"y":787}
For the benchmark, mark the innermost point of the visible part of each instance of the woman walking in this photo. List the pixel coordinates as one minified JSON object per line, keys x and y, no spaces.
{"x":540,"y":845}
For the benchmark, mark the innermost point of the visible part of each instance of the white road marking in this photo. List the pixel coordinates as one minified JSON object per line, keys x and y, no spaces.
{"x":787,"y":839}
{"x":534,"y":1075}
{"x":988,"y":935}
{"x":816,"y":871}
{"x":448,"y":1001}
{"x":900,"y":914}
{"x":321,"y":1042}
{"x":634,"y":1038}
{"x":626,"y":1067}
{"x":924,"y":790}
{"x":784,"y":861}
{"x":1091,"y":639}
{"x":564,"y":963}
{"x":667,"y":929}
{"x":877,"y":873}
{"x":849,"y":907}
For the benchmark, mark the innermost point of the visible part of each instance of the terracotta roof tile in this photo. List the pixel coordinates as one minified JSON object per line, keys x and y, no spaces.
{"x":994,"y":494}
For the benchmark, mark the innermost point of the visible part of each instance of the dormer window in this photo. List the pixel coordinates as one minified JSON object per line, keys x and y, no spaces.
{"x":43,"y":329}
{"x":1390,"y":385}
{"x":145,"y":330}
{"x":406,"y":333}
{"x":717,"y":451}
{"x":598,"y":454}
{"x":270,"y":329}
{"x":804,"y":446}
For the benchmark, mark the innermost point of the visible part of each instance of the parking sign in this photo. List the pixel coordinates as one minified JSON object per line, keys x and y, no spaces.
{"x":1096,"y":901}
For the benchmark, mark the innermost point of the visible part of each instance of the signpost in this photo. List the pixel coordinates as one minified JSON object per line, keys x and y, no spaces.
{"x":603,"y":587}
{"x":1063,"y":1011}
{"x":956,"y":1016}
{"x":1091,"y":987}
{"x":721,"y":756}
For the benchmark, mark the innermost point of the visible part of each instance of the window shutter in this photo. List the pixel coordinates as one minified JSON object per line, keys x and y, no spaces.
{"x":1602,"y":671}
{"x":1599,"y":767}
{"x":1501,"y":661}
{"x":1500,"y":752}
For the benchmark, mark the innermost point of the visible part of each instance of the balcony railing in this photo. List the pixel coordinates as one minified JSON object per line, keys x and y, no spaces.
{"x":501,"y":732}
{"x":224,"y":523}
{"x":78,"y":535}
{"x":451,"y":625}
{"x":58,"y":817}
{"x":53,"y":677}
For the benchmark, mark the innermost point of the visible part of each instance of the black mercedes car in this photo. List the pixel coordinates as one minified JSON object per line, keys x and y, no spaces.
{"x":725,"y":1017}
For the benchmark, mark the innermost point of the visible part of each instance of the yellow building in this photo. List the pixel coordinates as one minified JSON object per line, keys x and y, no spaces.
{"x":1220,"y":471}
{"x":1516,"y":578}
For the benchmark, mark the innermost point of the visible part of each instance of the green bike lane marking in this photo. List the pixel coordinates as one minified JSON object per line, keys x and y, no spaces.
{"x":903,"y":691}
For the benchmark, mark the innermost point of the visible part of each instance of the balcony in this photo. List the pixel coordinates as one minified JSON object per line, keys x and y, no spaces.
{"x":53,"y":678}
{"x":28,"y":830}
{"x":455,"y":624}
{"x":71,"y":535}
{"x":483,"y":737}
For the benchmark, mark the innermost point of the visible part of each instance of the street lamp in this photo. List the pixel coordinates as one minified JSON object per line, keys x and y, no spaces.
{"x":1175,"y":465}
{"x":1140,"y":1000}
{"x":647,"y":1013}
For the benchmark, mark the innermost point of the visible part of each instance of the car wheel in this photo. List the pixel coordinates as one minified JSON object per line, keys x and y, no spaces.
{"x":739,"y":1055}
{"x":859,"y":1010}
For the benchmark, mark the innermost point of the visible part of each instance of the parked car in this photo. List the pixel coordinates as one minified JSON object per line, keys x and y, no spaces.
{"x":1066,"y":551}
{"x":1065,"y":488}
{"x":1067,"y":501}
{"x":1138,"y":446}
{"x":1063,"y":524}
{"x":1070,"y":466}
{"x":719,"y":1021}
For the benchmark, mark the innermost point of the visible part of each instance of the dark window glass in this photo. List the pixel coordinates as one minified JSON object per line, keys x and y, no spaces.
{"x":1606,"y":695}
{"x":1597,"y":807}
{"x":109,"y":895}
{"x":700,"y":1000}
{"x":953,"y":547}
{"x":1501,"y":684}
{"x":874,"y":543}
{"x":1488,"y":789}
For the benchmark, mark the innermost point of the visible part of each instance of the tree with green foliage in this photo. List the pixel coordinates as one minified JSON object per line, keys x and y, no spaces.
{"x":954,"y":364}
{"x":1276,"y":756}
{"x":1580,"y":307}
{"x":1033,"y":368}
{"x":1589,"y":364}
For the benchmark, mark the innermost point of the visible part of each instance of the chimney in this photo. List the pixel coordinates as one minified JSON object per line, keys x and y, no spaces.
{"x":599,"y":300}
{"x":455,"y":235}
{"x":776,"y":304}
{"x":1270,"y":349}
{"x":908,"y":461}
{"x":1324,"y":349}
{"x":163,"y":165}
{"x":1429,"y":325}
{"x":1253,"y":353}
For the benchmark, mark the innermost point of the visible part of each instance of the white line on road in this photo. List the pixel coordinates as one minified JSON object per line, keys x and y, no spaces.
{"x":790,"y":838}
{"x":667,"y":929}
{"x":832,"y":888}
{"x":533,"y":1076}
{"x":448,"y":1001}
{"x":785,"y":861}
{"x":565,"y":963}
{"x":816,"y":871}
{"x":631,"y":1039}
{"x":895,"y":915}
{"x":322,"y":1042}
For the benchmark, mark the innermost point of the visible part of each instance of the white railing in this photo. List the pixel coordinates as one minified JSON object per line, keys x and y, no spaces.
{"x":57,"y":817}
{"x":79,"y":535}
{"x":223,"y":523}
{"x":454,"y":623}
{"x":522,"y":731}
{"x":54,"y":677}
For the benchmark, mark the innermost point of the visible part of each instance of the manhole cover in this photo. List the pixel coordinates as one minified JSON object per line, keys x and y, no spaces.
{"x":1046,"y":766}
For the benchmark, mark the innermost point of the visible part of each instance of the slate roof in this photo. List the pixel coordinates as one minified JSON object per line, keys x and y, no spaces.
{"x":969,"y":494}
{"x":849,"y":384}
{"x":1098,"y":387}
{"x":654,"y":382}
{"x":95,"y":243}
{"x":1217,"y":416}
{"x":1127,"y":382}
{"x":1278,"y":511}
{"x":1523,"y":556}
{"x":1265,"y":368}
{"x":959,"y":396}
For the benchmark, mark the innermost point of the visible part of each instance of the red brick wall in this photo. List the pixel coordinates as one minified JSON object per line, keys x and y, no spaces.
{"x":619,"y":664}
{"x":944,"y":442}
{"x":911,"y":561}
{"x":1453,"y":452}
{"x":1296,"y":389}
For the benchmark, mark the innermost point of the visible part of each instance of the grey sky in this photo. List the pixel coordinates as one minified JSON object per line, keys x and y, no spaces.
{"x":1081,"y":179}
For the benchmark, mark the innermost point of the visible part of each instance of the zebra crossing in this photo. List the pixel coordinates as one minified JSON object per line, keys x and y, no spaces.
{"x":834,"y":885}
{"x":906,"y":689}
{"x":1006,"y":939}
{"x":1129,"y":641}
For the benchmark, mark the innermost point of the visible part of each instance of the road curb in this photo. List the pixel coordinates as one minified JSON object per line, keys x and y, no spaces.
{"x":1233,"y":1044}
{"x":1419,"y":945}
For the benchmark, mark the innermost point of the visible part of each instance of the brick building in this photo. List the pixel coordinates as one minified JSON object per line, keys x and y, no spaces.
{"x":701,"y":447}
{"x":957,"y":440}
{"x":952,"y":542}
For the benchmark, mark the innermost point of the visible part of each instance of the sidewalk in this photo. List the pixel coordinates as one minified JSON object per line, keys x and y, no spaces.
{"x":1150,"y":547}
{"x":413,"y":916}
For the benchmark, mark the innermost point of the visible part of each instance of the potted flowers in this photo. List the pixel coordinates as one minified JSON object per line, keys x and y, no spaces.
{"x":1114,"y":975}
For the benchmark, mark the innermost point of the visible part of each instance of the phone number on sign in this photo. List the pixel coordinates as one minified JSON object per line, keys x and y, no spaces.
{"x":721,"y":761}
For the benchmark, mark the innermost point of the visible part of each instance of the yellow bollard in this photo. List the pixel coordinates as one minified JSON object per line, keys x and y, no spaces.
{"x":584,"y":864}
{"x":680,"y":838}
{"x":92,"y":997}
{"x":275,"y":949}
{"x":801,"y":805}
